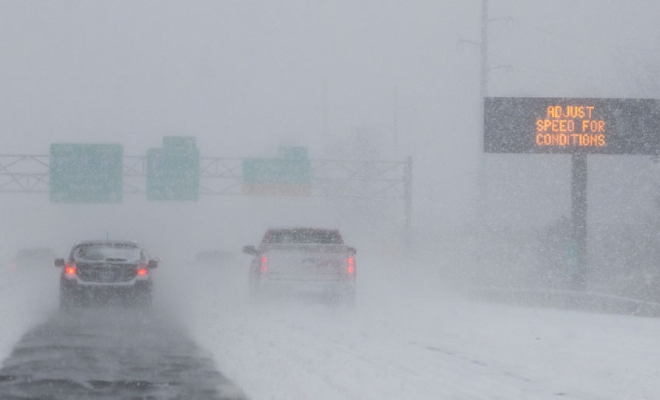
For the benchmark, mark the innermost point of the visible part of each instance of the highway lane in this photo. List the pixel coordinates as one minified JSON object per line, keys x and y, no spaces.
{"x":111,"y":353}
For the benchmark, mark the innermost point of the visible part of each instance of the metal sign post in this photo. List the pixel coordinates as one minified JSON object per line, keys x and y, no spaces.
{"x":579,"y":219}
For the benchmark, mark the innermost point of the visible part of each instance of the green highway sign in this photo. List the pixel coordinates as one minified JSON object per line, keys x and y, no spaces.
{"x":173,"y":171}
{"x":86,"y":173}
{"x":288,"y":175}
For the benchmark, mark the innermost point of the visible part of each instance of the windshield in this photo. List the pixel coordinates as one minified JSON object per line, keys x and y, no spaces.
{"x":303,"y":236}
{"x":107,"y":252}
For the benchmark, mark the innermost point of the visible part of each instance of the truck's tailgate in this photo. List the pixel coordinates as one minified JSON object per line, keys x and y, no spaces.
{"x":306,"y":262}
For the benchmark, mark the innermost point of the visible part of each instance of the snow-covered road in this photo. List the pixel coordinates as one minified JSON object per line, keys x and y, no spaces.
{"x":394,"y":344}
{"x":401,"y":346}
{"x":26,"y":300}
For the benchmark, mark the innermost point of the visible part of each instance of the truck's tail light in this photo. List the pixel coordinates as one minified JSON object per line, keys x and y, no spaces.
{"x":142,"y":270}
{"x":70,"y":269}
{"x":351,"y":265}
{"x":264,"y":264}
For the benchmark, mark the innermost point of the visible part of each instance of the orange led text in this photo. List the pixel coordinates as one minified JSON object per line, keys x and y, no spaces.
{"x":571,"y":126}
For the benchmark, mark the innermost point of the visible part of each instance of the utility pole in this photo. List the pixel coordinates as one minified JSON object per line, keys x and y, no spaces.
{"x":483,"y":92}
{"x":579,"y":220}
{"x":482,"y":180}
{"x":484,"y":56}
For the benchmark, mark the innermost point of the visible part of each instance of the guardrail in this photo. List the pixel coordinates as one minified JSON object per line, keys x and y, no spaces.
{"x":568,"y":299}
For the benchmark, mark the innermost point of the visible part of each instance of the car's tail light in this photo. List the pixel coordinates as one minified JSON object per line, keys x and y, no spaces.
{"x":70,"y":269}
{"x":143,"y":269}
{"x":351,"y":265}
{"x":264,"y":264}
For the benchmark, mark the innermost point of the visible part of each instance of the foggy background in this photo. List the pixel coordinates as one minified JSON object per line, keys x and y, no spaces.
{"x":348,"y":80}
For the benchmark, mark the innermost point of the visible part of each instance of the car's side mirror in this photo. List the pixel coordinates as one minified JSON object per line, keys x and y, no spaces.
{"x":250,"y":250}
{"x":152,"y":264}
{"x":59,"y":262}
{"x":352,"y":250}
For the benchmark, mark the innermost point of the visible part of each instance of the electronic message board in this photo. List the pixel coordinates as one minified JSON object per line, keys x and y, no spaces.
{"x":571,"y":125}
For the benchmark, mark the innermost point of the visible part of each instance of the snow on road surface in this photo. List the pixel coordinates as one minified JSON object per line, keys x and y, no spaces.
{"x":27,"y":298}
{"x":104,"y":352}
{"x":395,"y":345}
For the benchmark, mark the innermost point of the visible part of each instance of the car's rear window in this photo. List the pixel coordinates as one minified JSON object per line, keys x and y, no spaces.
{"x":305,"y":236}
{"x":107,"y":252}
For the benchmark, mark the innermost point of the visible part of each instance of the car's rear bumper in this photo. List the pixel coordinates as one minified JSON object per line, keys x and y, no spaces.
{"x":95,"y":289}
{"x":76,"y":280}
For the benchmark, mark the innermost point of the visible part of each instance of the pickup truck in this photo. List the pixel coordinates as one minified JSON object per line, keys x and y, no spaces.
{"x":294,"y":261}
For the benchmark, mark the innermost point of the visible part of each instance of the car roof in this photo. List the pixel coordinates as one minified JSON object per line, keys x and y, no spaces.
{"x":303,"y":228}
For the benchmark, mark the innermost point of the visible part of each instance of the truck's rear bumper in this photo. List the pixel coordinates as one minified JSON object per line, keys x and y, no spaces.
{"x":307,"y":286}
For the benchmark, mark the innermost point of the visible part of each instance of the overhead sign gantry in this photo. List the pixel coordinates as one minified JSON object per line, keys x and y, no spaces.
{"x":176,"y":172}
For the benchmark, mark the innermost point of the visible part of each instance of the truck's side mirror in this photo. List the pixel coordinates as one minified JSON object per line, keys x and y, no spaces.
{"x":250,"y":250}
{"x":152,"y":264}
{"x":59,"y":262}
{"x":352,"y":250}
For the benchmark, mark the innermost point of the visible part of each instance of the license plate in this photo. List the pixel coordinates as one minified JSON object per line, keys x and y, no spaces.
{"x":106,"y":276}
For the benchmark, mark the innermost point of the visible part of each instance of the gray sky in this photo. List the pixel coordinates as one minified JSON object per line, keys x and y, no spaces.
{"x":229,"y":72}
{"x":247,"y":76}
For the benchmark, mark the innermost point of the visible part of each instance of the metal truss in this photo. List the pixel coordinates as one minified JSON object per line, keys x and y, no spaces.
{"x":224,"y":176}
{"x":359,"y":179}
{"x":24,"y":173}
